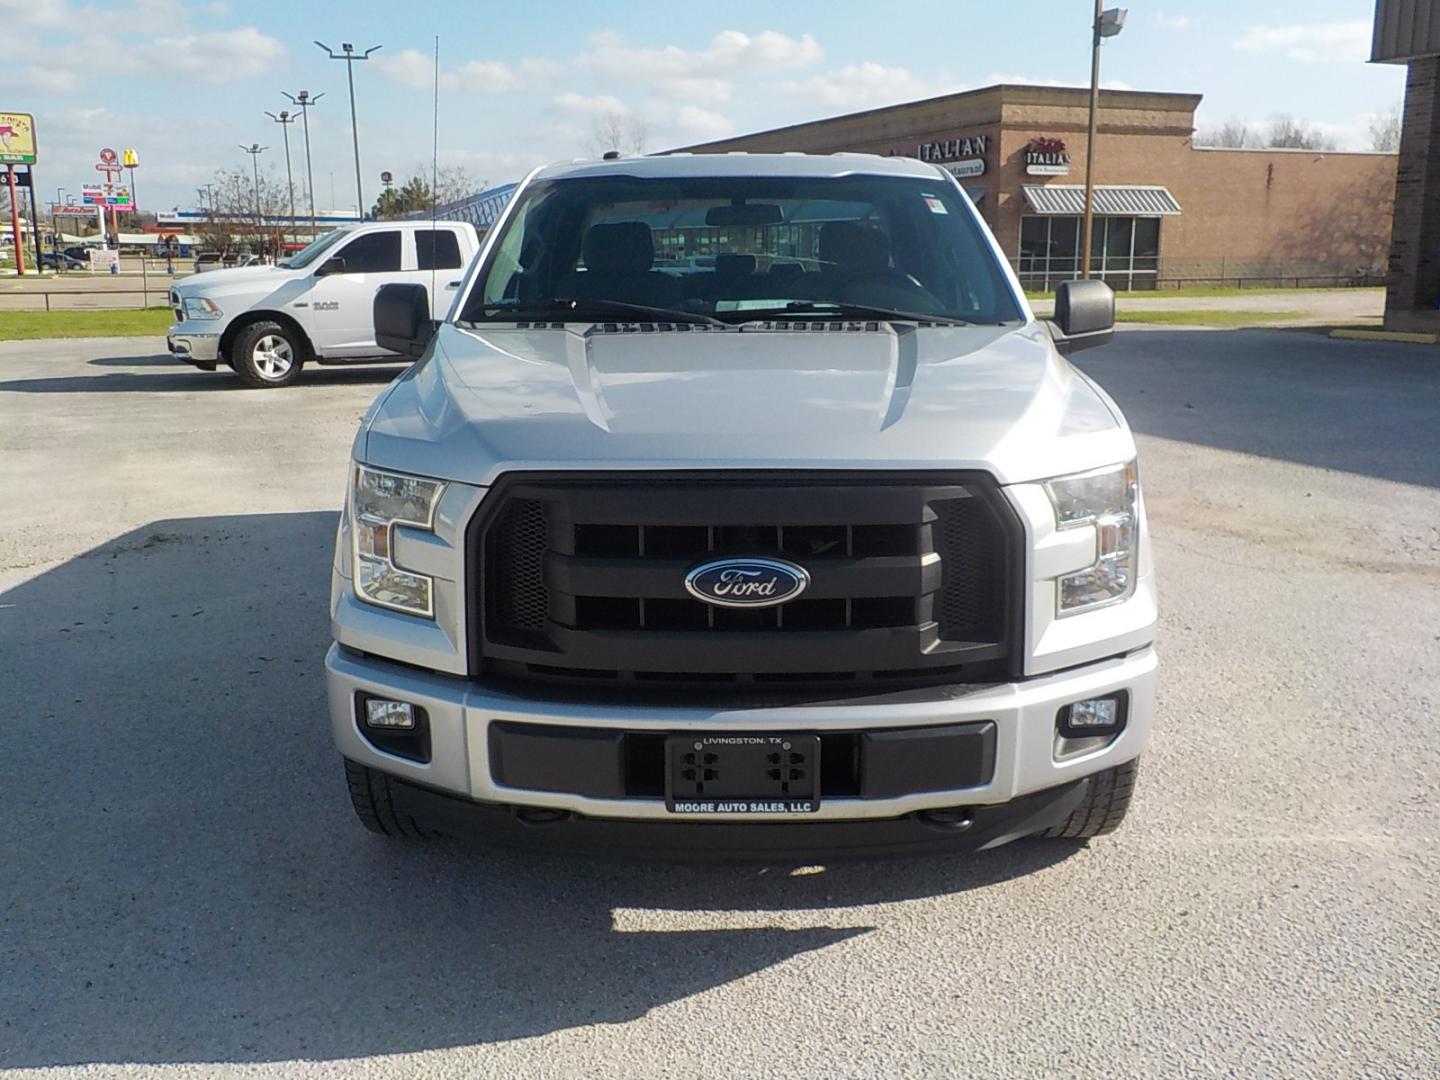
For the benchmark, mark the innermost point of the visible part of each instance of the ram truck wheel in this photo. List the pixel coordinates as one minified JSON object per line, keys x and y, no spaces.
{"x":266,"y":354}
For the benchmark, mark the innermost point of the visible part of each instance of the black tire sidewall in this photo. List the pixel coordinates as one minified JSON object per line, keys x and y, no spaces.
{"x":243,"y":361}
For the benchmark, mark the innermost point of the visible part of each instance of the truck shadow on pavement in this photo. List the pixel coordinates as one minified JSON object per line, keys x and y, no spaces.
{"x":161,"y":373}
{"x":184,"y":880}
{"x":1371,"y":408}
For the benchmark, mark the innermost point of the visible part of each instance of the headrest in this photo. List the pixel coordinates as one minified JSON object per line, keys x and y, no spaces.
{"x":853,"y":246}
{"x":732,"y":265}
{"x":621,"y":247}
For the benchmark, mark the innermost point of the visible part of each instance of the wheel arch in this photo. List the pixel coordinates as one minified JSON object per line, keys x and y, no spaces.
{"x":250,"y":318}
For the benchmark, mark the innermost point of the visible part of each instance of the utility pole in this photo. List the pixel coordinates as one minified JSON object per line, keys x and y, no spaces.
{"x":255,"y":150}
{"x":304,"y":99}
{"x":285,"y":119}
{"x":349,"y":56}
{"x":1107,"y":24}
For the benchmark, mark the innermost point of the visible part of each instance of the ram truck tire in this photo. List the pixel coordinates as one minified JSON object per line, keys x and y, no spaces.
{"x":266,"y":354}
{"x":1104,"y":805}
{"x":370,"y":797}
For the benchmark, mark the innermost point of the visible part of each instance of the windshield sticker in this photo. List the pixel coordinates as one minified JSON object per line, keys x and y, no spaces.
{"x":935,"y":205}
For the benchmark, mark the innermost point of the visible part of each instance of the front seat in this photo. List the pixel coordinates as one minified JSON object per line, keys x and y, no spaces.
{"x":619,"y":257}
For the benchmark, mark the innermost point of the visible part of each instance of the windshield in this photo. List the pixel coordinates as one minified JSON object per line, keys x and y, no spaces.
{"x":742,"y":248}
{"x":313,"y":250}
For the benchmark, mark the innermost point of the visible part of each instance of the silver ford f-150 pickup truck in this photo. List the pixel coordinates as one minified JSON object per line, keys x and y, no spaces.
{"x":740,"y":503}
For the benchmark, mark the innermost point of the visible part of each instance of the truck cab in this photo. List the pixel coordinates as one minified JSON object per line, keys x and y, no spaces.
{"x":266,"y":322}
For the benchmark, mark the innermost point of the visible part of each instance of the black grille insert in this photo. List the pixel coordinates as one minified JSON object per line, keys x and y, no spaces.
{"x":581,"y":579}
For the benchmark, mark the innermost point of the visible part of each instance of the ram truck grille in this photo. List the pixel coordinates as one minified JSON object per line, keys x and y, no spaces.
{"x":581,"y":580}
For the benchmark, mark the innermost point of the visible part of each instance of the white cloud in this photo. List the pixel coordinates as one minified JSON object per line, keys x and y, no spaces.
{"x":217,"y":55}
{"x":589,"y":105}
{"x":50,"y":78}
{"x":870,"y":85}
{"x":33,"y":12}
{"x":1336,"y":42}
{"x":1173,"y":22}
{"x":415,"y":69}
{"x":694,"y":124}
{"x":703,"y":74}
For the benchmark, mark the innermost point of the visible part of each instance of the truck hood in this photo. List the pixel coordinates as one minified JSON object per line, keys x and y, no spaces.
{"x":247,"y":277}
{"x":845,"y":396}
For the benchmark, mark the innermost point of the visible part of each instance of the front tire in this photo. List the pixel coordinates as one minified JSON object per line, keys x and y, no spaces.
{"x":1104,"y":806}
{"x":266,"y":354}
{"x":370,"y":797}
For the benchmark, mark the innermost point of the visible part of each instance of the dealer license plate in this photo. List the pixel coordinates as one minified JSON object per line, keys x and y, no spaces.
{"x":742,"y":774}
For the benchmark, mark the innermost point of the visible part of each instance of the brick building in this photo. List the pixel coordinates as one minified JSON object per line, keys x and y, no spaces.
{"x":1408,"y":32}
{"x":1167,"y":211}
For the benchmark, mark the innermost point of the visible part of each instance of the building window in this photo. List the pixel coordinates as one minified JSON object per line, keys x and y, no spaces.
{"x":1124,"y":251}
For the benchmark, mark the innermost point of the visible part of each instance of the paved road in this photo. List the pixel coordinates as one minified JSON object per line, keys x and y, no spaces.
{"x":184,"y":891}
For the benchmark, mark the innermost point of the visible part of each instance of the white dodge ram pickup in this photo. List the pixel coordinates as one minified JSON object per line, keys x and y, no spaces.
{"x":740,"y":502}
{"x":267,"y":321}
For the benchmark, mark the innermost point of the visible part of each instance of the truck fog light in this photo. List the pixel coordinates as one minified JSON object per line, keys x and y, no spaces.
{"x":383,"y":713}
{"x":1093,"y":716}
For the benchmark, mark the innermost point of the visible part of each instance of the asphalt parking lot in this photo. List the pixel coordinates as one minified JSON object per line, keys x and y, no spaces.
{"x":184,"y":889}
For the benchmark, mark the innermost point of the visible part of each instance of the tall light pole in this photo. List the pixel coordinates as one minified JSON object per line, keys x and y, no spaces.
{"x":305,"y":99}
{"x":255,"y":150}
{"x":285,"y":119}
{"x":55,"y":225}
{"x":348,"y":54}
{"x":1107,"y":24}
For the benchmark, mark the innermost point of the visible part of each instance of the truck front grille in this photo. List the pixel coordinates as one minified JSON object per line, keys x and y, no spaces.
{"x":580,"y":579}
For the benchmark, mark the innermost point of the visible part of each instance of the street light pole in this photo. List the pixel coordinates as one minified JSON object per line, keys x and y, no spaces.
{"x":285,"y":119}
{"x":349,"y":56}
{"x":304,"y":100}
{"x":255,"y":150}
{"x":1107,"y":24}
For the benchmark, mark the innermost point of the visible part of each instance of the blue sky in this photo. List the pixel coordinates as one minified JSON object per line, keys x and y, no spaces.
{"x":186,"y":82}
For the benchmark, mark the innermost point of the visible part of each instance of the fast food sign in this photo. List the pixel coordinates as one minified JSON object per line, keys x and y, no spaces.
{"x":17,"y":139}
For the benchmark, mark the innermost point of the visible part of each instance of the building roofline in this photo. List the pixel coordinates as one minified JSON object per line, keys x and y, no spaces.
{"x":1293,"y":150}
{"x":1016,"y":93}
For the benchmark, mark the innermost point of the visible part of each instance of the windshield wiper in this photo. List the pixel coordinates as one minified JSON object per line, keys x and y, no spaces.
{"x":863,"y":311}
{"x":615,"y":307}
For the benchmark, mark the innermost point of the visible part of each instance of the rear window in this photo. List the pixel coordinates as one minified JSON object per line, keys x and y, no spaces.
{"x":437,"y":250}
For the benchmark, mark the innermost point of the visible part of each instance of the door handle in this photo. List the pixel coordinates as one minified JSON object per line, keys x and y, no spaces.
{"x":453,"y":285}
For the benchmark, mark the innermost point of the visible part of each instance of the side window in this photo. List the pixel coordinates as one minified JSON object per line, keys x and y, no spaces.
{"x":373,"y":253}
{"x":437,"y":250}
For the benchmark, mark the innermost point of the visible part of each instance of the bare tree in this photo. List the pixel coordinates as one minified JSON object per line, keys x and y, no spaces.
{"x":1385,"y":131}
{"x":1287,"y":133}
{"x":242,"y":214}
{"x":455,"y":182}
{"x":616,"y":131}
{"x":1234,"y":134}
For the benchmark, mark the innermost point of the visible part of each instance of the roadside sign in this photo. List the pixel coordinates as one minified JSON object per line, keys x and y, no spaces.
{"x":17,"y":139}
{"x":72,"y":210}
{"x":130,"y":159}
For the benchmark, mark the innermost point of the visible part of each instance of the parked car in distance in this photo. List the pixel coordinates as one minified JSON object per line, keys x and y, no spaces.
{"x":824,"y":546}
{"x":266,"y":322}
{"x":61,"y":260}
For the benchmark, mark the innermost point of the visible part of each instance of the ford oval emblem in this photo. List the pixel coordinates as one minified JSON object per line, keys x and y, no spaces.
{"x":747,"y":583}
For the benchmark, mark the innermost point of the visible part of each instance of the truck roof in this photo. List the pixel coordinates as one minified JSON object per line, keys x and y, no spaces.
{"x":743,"y":164}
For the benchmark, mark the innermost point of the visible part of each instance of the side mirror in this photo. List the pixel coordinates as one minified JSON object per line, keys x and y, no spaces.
{"x":1084,"y":315}
{"x":333,"y":265}
{"x":402,"y":319}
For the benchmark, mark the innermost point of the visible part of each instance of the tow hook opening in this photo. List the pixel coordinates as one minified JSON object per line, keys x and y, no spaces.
{"x":541,"y":815}
{"x":950,"y":819}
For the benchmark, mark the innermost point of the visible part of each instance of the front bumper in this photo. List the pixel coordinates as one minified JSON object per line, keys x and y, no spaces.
{"x":1027,"y":757}
{"x":201,"y":350}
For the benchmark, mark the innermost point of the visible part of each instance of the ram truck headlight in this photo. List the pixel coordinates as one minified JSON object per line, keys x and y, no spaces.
{"x":378,"y":502}
{"x":1106,"y":500}
{"x":199,"y":307}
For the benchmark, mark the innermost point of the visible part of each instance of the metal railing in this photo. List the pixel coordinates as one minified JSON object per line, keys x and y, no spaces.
{"x":40,"y":299}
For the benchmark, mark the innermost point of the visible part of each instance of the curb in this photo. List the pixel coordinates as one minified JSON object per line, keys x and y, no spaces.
{"x":1386,"y":335}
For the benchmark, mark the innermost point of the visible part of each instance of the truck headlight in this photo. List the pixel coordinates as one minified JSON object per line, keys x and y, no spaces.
{"x":1106,"y":500}
{"x":378,"y":502}
{"x":198,"y":307}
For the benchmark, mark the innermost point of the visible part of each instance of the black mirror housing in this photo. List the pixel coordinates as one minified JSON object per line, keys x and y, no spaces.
{"x":401,"y":314}
{"x":333,"y":265}
{"x":1084,"y":314}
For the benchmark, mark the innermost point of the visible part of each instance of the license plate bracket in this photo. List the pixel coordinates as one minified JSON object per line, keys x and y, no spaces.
{"x":742,"y":773}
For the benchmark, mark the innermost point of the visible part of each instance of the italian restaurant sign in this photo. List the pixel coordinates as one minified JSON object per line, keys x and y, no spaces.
{"x":1047,"y":157}
{"x":964,"y":157}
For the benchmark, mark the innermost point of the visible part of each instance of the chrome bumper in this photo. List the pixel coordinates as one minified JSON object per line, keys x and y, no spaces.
{"x":202,"y":350}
